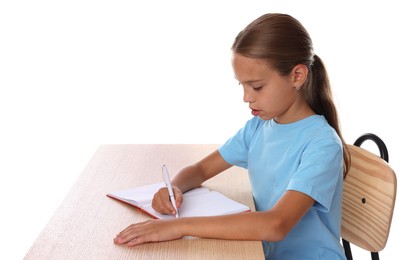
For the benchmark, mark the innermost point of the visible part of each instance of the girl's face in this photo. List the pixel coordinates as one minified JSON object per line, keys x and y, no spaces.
{"x":269,"y":94}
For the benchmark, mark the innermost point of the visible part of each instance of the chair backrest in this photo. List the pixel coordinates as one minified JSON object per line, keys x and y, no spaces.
{"x":368,"y":199}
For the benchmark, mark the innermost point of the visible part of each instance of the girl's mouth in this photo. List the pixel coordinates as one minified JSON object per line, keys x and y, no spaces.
{"x":255,"y":112}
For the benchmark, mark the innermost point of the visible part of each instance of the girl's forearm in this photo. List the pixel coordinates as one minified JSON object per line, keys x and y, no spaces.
{"x":188,"y":178}
{"x":194,"y":175}
{"x":243,"y":226}
{"x":270,"y":225}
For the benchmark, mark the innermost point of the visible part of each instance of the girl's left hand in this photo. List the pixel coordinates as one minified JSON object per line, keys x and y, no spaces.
{"x":148,"y":231}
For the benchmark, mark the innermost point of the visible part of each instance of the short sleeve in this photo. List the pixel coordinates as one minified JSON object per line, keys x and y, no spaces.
{"x":235,"y":150}
{"x":319,"y":171}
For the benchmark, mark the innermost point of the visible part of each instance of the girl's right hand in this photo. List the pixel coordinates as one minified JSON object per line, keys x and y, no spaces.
{"x":162,"y":204}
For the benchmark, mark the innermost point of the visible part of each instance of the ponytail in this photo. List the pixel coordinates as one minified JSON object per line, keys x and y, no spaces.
{"x":317,"y":92}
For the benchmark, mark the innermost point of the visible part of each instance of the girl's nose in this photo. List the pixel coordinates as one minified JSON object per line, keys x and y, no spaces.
{"x":248,"y":98}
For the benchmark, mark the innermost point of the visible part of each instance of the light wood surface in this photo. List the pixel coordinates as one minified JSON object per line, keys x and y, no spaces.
{"x":85,"y":224}
{"x":368,"y":200}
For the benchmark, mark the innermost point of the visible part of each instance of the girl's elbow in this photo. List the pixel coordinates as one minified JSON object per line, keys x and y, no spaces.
{"x":277,"y":232}
{"x":275,"y":236}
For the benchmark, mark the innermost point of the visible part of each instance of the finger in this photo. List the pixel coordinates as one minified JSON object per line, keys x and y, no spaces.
{"x":124,"y":236}
{"x":167,"y":204}
{"x":136,"y":241}
{"x":132,"y":235}
{"x":161,"y":202}
{"x":157,"y":202}
{"x":178,"y":197}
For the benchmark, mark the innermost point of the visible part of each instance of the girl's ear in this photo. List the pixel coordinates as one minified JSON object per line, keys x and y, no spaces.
{"x":299,"y":74}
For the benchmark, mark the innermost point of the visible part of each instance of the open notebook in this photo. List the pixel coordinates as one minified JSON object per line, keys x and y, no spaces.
{"x":197,"y":202}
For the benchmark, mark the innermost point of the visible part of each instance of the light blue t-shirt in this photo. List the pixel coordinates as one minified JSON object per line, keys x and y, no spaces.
{"x":304,"y":156}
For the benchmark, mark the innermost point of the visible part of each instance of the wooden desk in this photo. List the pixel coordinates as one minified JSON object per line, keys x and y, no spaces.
{"x":85,"y":224}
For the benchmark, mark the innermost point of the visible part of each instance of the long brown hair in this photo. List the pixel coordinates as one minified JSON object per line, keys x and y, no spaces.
{"x":283,"y":43}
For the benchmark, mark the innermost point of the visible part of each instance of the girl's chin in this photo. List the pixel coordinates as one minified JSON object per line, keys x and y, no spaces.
{"x":262,"y":116}
{"x":265,"y":118}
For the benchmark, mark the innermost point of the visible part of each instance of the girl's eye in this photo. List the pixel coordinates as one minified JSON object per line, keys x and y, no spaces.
{"x":257,"y":88}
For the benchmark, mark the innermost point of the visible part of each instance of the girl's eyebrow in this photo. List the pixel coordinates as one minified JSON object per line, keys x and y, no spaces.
{"x":253,"y":81}
{"x":249,"y":81}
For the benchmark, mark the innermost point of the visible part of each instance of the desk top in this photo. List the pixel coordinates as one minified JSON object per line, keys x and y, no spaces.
{"x":87,"y":221}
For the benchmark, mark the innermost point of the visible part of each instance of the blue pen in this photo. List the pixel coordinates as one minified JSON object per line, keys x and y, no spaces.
{"x":169,"y":186}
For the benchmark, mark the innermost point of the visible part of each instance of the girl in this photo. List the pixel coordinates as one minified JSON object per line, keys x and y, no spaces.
{"x":292,"y":148}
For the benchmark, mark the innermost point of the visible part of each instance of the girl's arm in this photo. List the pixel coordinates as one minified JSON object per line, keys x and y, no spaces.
{"x":271,"y":225}
{"x":189,"y":178}
{"x":194,"y":175}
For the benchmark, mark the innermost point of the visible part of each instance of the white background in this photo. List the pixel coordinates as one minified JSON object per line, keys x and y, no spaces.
{"x":78,"y":74}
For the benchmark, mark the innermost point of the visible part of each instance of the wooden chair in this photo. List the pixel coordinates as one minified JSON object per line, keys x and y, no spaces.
{"x":368,"y":198}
